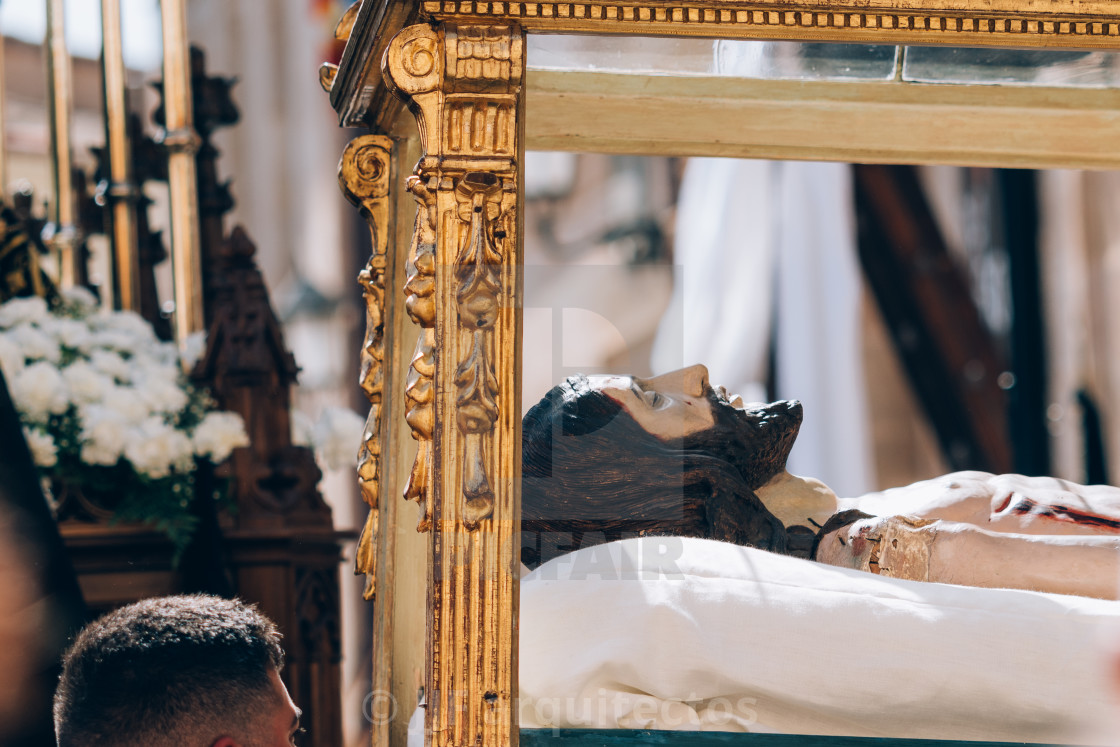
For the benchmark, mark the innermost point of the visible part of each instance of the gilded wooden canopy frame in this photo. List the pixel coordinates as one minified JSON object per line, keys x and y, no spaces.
{"x":459,"y":66}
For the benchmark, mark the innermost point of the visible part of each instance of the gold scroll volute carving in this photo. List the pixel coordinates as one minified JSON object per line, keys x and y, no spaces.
{"x":364,"y":176}
{"x":414,"y":71}
{"x":419,"y":395}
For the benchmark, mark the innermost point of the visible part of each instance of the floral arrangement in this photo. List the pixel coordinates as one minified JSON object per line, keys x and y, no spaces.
{"x":107,"y":410}
{"x":334,"y":437}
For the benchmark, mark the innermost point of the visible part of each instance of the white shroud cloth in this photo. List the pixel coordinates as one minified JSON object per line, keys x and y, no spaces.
{"x":670,"y":633}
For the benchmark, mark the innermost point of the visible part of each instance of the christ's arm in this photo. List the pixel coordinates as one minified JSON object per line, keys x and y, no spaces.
{"x":956,"y":553}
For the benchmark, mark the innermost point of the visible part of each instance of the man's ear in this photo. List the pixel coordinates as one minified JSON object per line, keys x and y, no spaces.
{"x":226,"y":742}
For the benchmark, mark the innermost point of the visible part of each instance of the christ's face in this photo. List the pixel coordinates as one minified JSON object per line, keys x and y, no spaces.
{"x":682,"y":403}
{"x":670,"y":406}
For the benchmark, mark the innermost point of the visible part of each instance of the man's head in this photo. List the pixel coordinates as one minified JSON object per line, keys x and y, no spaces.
{"x":189,"y":671}
{"x":608,"y":456}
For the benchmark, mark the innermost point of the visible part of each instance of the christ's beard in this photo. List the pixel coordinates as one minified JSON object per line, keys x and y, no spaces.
{"x":756,"y":442}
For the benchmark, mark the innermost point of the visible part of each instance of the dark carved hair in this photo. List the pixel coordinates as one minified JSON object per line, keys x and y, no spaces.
{"x":177,"y":670}
{"x":591,"y":474}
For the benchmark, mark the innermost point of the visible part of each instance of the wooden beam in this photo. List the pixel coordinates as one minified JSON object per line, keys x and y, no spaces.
{"x":865,"y":122}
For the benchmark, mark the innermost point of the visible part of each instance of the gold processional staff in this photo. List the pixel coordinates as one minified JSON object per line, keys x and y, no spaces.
{"x":179,"y":137}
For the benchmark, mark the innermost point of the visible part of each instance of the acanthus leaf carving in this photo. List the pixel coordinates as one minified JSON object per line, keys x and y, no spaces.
{"x":420,"y":291}
{"x":478,"y":274}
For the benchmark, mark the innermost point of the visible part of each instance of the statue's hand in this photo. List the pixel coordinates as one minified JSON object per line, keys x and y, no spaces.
{"x":895,"y":546}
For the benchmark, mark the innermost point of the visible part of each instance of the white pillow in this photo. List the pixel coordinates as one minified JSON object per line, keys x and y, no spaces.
{"x":675,"y":633}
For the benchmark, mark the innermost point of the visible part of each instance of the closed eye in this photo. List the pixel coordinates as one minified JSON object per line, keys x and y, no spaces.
{"x":651,"y":397}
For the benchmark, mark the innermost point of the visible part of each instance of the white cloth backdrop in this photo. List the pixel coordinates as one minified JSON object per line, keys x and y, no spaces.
{"x":766,"y":251}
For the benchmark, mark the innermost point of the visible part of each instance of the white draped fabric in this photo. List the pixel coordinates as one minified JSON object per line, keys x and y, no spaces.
{"x":766,"y":255}
{"x":692,"y":634}
{"x":671,"y":633}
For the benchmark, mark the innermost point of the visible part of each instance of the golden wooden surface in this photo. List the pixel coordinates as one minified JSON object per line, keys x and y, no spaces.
{"x":419,"y":392}
{"x":367,"y":175}
{"x":182,"y":143}
{"x":867,"y":121}
{"x":463,"y":78}
{"x":358,"y":94}
{"x":399,"y":659}
{"x":62,"y":232}
{"x":364,"y":175}
{"x":465,"y":86}
{"x":119,"y":190}
{"x":1035,"y":23}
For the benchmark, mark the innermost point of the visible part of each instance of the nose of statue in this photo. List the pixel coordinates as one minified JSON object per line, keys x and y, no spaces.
{"x":692,"y":381}
{"x":695,"y":380}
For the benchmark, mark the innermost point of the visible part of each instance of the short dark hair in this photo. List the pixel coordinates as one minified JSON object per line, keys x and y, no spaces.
{"x":169,"y":670}
{"x":591,"y":474}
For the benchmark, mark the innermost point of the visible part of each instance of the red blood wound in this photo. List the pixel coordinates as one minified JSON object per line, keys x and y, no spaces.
{"x":1057,"y":512}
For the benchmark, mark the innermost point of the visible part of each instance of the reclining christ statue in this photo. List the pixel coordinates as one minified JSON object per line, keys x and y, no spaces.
{"x":611,"y":456}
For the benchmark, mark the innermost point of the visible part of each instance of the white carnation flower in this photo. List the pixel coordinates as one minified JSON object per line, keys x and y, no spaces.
{"x":193,"y":348}
{"x":41,"y":444}
{"x":128,"y":323}
{"x":22,"y":310}
{"x":116,"y":339}
{"x":104,"y":433}
{"x":39,"y":391}
{"x":79,"y":297}
{"x":155,"y":449}
{"x":165,"y":353}
{"x":110,"y":364}
{"x":303,"y":429}
{"x":35,"y":344}
{"x":71,"y":333}
{"x":85,"y":383}
{"x":218,"y":434}
{"x":11,"y":357}
{"x":147,"y":368}
{"x":125,"y":401}
{"x":337,"y":437}
{"x":158,"y":392}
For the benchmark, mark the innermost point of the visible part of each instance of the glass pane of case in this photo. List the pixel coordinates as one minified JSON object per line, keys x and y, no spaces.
{"x":801,"y":61}
{"x":620,"y":55}
{"x":817,"y":61}
{"x":1011,"y":67}
{"x":744,"y":59}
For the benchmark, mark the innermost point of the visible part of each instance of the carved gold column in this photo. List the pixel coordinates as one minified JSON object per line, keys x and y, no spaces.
{"x":365,"y":174}
{"x":465,"y":85}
